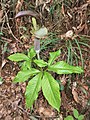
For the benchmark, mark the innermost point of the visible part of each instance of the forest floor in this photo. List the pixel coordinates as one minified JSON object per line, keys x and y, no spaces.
{"x":68,"y":23}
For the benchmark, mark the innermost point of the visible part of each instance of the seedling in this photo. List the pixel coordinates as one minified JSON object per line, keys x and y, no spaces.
{"x":1,"y":81}
{"x":38,"y":74}
{"x":76,"y":115}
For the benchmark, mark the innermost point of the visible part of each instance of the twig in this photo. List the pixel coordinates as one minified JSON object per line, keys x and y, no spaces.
{"x":3,"y":21}
{"x":24,"y":111}
{"x":6,"y":39}
{"x":85,"y":36}
{"x":10,"y":28}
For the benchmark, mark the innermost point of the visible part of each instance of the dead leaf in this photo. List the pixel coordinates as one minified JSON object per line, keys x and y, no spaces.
{"x":18,"y":118}
{"x":39,"y":2}
{"x":8,"y":117}
{"x":3,"y":63}
{"x":65,"y":100}
{"x":86,"y":87}
{"x":88,"y":1}
{"x":68,"y":34}
{"x":63,"y":10}
{"x":19,"y":5}
{"x":75,"y":94}
{"x":1,"y":15}
{"x":46,"y":112}
{"x":69,"y":15}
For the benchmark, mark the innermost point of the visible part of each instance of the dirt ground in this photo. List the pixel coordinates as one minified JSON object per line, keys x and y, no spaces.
{"x":61,"y":18}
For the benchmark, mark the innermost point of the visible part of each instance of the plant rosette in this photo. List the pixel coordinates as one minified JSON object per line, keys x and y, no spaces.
{"x":38,"y":74}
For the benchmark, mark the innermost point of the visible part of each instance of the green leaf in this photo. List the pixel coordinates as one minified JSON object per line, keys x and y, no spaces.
{"x":61,"y":87}
{"x":1,"y":33}
{"x":50,"y":89}
{"x":26,"y":65}
{"x":69,"y":117}
{"x":75,"y":113}
{"x":41,"y":32}
{"x":81,"y":117}
{"x":32,"y":89}
{"x":53,"y":56}
{"x":1,"y":80}
{"x":41,"y":63}
{"x":25,"y":74}
{"x":31,"y":53}
{"x":64,"y":68}
{"x":18,"y":57}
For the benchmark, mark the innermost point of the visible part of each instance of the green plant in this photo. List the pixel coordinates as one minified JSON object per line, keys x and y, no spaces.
{"x":1,"y":80}
{"x":39,"y":72}
{"x":75,"y":50}
{"x":69,"y":117}
{"x":49,"y":42}
{"x":39,"y":75}
{"x":72,"y":52}
{"x":76,"y":115}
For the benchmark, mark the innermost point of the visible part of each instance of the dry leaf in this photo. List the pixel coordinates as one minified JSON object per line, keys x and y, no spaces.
{"x":69,"y":15}
{"x":88,"y":1}
{"x":75,"y":94}
{"x":63,"y":10}
{"x":39,"y":2}
{"x":8,"y":117}
{"x":86,"y":87}
{"x":19,"y":5}
{"x":3,"y":63}
{"x":46,"y":111}
{"x":68,"y":34}
{"x":1,"y":15}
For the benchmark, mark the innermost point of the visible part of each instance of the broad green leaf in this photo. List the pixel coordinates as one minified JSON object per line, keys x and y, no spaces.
{"x":81,"y":117}
{"x":32,"y":89}
{"x":26,"y":65}
{"x":18,"y":57}
{"x":50,"y":89}
{"x":41,"y":63}
{"x":69,"y":117}
{"x":31,"y":53}
{"x":25,"y":74}
{"x":64,"y":68}
{"x":53,"y":56}
{"x":75,"y":113}
{"x":41,"y":32}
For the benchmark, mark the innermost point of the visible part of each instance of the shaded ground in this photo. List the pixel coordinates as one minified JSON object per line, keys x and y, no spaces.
{"x":62,"y":17}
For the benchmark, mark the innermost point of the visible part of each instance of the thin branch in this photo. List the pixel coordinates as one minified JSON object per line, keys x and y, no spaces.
{"x":10,"y":28}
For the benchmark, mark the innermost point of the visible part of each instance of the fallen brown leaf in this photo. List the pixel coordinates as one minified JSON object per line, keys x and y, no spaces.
{"x":1,"y":15}
{"x":75,"y":94}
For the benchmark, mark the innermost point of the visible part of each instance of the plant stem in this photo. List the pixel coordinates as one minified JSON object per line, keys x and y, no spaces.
{"x":38,"y":56}
{"x":37,"y":46}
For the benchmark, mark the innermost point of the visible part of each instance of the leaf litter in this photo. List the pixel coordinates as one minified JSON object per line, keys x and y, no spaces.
{"x":71,"y":21}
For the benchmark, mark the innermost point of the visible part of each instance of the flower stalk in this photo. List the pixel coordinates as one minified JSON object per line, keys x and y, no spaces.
{"x":37,"y":46}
